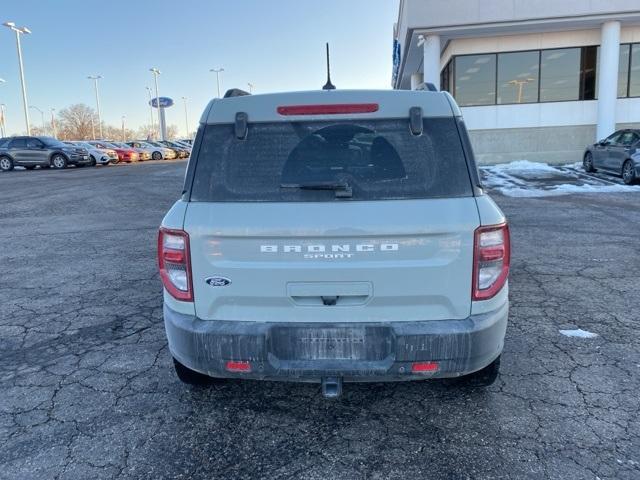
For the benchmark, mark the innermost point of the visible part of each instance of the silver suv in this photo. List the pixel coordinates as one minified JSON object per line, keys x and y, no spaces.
{"x":45,"y":152}
{"x":334,"y":236}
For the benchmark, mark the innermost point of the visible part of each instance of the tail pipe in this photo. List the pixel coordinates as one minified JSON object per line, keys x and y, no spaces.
{"x":331,"y":387}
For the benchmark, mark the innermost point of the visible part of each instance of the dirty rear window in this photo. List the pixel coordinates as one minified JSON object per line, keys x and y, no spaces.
{"x":375,"y":160}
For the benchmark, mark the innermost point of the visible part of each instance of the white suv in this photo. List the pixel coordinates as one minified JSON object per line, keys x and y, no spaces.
{"x":334,"y":236}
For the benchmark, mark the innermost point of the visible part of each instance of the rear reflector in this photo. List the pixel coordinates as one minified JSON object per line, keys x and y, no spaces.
{"x":332,"y":109}
{"x":238,"y":366}
{"x":424,"y":367}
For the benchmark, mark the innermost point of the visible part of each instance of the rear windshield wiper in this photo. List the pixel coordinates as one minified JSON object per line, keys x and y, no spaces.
{"x":341,"y":189}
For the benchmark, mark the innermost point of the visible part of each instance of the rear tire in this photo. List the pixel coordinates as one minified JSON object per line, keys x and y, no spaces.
{"x":587,"y":163}
{"x":629,"y":173}
{"x":485,"y":377}
{"x":191,"y":377}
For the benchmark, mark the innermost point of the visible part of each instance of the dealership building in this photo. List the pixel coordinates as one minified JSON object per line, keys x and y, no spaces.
{"x":536,"y":79}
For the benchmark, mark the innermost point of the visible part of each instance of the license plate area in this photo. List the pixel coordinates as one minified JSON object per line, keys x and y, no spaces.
{"x":357,"y":343}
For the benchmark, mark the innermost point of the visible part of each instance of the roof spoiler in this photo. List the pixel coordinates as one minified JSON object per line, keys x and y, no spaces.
{"x":235,"y":92}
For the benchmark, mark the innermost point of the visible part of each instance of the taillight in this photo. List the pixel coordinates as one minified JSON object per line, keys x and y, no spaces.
{"x":175,"y":264}
{"x":328,"y":109}
{"x":491,"y":257}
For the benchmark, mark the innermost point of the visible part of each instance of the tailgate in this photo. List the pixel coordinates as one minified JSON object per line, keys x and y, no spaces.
{"x":332,"y":261}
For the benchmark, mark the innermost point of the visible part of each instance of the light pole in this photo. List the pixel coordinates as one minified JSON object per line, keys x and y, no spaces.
{"x":157,"y":72}
{"x":95,"y":79}
{"x":44,"y":126}
{"x":123,"y":117}
{"x":53,"y":123}
{"x":250,"y":87}
{"x":520,"y":84}
{"x":3,"y":125}
{"x":21,"y":31}
{"x":150,"y":112}
{"x":217,"y":71}
{"x":2,"y":114}
{"x":186,"y":116}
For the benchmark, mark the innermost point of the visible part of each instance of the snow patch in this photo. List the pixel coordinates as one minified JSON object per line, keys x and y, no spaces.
{"x":579,"y":333}
{"x":524,"y":166}
{"x":523,"y":178}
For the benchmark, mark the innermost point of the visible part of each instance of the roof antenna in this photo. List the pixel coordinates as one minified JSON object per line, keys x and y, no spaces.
{"x":328,"y":85}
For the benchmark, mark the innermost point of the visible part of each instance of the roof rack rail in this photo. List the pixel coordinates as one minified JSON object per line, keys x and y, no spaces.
{"x":235,"y":92}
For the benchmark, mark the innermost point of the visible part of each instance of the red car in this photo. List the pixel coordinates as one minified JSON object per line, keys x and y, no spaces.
{"x":127,"y":155}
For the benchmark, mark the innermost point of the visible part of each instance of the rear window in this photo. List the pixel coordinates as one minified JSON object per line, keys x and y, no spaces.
{"x":375,"y":160}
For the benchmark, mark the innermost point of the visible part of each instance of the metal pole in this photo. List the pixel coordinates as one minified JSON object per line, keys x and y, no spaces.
{"x":95,"y":79}
{"x":218,"y":71}
{"x":53,"y":123}
{"x":3,"y":123}
{"x":25,"y":105}
{"x":24,"y":88}
{"x":93,"y":130}
{"x":156,"y":72}
{"x":2,"y":129}
{"x":150,"y":112}
{"x":98,"y":104}
{"x":186,"y":117}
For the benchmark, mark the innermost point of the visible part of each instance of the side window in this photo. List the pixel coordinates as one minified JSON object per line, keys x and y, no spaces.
{"x":18,"y":143}
{"x":614,"y":138}
{"x":34,"y":143}
{"x":627,"y":139}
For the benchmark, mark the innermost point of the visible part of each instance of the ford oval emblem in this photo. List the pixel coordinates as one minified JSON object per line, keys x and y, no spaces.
{"x":218,"y":281}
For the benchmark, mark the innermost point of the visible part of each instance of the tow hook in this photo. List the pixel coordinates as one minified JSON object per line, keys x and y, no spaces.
{"x":331,"y":387}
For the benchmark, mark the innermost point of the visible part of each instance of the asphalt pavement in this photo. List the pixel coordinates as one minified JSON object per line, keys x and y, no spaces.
{"x":87,"y":389}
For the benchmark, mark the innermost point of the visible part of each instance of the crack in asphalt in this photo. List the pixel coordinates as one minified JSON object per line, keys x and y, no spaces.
{"x":88,"y":389}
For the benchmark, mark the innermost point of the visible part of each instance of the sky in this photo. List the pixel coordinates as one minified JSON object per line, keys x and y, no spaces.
{"x":275,"y":45}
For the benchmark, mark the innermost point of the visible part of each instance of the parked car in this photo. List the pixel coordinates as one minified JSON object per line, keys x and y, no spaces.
{"x":45,"y":152}
{"x":618,"y":154}
{"x":97,"y":155}
{"x":158,"y":152}
{"x":188,"y":146}
{"x":167,"y":153}
{"x":188,"y":141}
{"x":127,"y":155}
{"x":143,"y":153}
{"x":180,"y":150}
{"x":361,"y":247}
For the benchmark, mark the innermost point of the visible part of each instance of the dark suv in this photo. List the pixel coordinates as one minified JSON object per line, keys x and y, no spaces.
{"x":30,"y":152}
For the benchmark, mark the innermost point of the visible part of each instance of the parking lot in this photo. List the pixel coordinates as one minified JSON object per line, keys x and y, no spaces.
{"x":88,"y":389}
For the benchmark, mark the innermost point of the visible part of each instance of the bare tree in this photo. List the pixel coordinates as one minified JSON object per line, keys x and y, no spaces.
{"x":77,"y":122}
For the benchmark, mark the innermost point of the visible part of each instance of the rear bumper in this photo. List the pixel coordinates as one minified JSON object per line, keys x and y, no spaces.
{"x":368,"y":351}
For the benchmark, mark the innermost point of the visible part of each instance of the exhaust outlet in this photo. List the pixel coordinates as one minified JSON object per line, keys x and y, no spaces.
{"x":331,"y":387}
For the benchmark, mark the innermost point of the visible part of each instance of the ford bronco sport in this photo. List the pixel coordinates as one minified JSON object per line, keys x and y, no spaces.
{"x":332,"y":236}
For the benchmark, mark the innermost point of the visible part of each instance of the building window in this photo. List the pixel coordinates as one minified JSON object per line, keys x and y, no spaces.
{"x":560,"y":75}
{"x":556,"y":75}
{"x":623,"y":70}
{"x":518,"y":77}
{"x":445,"y":79}
{"x":634,"y":71}
{"x":588,"y":73}
{"x":475,"y":79}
